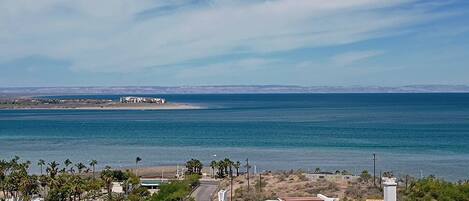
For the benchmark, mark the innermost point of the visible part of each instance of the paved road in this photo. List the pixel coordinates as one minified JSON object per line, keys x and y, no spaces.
{"x":205,"y":190}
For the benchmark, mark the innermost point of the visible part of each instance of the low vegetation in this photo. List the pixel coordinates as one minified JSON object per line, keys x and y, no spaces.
{"x":178,"y":190}
{"x":76,"y":182}
{"x":432,"y":188}
{"x":272,"y":185}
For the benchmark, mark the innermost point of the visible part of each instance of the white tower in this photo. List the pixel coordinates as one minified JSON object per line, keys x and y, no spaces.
{"x":390,"y":189}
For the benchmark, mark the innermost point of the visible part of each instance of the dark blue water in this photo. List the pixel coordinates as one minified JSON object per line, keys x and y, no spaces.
{"x":410,"y":133}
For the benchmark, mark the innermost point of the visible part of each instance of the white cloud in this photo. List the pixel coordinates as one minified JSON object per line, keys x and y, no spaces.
{"x":107,"y":35}
{"x":348,"y":58}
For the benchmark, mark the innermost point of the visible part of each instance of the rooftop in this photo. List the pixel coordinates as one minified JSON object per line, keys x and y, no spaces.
{"x":151,"y":182}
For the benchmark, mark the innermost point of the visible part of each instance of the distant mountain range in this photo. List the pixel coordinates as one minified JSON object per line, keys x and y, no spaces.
{"x":227,"y":89}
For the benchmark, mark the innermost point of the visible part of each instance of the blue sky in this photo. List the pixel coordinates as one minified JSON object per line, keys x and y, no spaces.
{"x":225,"y":42}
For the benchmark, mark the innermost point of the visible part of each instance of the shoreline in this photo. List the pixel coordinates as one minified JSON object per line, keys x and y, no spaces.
{"x":168,"y":106}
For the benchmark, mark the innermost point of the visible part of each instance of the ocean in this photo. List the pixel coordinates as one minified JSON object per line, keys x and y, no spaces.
{"x":416,"y":134}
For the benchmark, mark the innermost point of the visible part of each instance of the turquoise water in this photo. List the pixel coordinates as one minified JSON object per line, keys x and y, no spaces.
{"x":410,"y":133}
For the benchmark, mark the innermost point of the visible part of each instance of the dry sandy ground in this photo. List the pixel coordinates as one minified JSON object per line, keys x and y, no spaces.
{"x":168,"y":172}
{"x":295,"y":184}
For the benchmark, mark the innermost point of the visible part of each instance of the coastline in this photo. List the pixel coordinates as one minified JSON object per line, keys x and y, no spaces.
{"x":161,"y":171}
{"x":114,"y":106}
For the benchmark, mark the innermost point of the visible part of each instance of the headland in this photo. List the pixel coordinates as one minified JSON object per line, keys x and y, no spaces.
{"x":125,"y":103}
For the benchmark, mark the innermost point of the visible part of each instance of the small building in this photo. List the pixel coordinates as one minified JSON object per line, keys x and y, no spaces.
{"x":153,"y":185}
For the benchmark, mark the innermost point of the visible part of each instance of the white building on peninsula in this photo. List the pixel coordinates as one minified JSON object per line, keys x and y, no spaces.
{"x":134,"y":99}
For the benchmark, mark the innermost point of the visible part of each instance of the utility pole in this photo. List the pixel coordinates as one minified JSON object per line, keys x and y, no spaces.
{"x":374,"y":169}
{"x":247,"y":168}
{"x":260,"y":182}
{"x":406,"y":181}
{"x":231,"y":187}
{"x":380,"y":179}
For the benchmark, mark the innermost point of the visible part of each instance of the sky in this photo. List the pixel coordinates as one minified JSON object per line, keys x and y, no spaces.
{"x":225,"y":42}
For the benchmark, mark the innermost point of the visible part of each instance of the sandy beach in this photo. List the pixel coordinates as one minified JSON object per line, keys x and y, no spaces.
{"x":167,"y":172}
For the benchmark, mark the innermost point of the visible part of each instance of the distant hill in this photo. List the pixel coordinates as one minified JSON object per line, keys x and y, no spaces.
{"x":235,"y":89}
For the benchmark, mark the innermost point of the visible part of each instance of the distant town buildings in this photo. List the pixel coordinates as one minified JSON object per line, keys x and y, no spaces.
{"x":51,"y":101}
{"x":133,"y":99}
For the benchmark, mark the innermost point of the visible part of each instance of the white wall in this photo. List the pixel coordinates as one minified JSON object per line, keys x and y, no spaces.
{"x":390,"y":189}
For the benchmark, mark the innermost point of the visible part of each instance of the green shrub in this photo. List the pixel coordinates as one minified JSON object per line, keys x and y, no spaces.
{"x":436,"y":189}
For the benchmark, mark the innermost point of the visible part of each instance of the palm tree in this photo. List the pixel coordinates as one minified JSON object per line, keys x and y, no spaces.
{"x":138,"y":159}
{"x":213,"y":165}
{"x":190,"y":166}
{"x":231,"y":163}
{"x":28,"y":183}
{"x":227,"y":164}
{"x":80,"y":166}
{"x":198,"y":166}
{"x":52,"y":170}
{"x":93,"y":163}
{"x":4,"y":166}
{"x":220,"y":166}
{"x":217,"y":169}
{"x":78,"y":186}
{"x":15,"y":160}
{"x":107,"y":177}
{"x":41,"y":163}
{"x":237,"y":165}
{"x":21,"y":185}
{"x":67,"y":163}
{"x":194,"y":166}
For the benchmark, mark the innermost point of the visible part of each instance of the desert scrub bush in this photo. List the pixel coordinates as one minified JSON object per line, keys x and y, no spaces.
{"x":302,"y":177}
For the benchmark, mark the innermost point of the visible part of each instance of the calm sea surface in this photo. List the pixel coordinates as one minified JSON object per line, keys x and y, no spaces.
{"x":410,"y":133}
